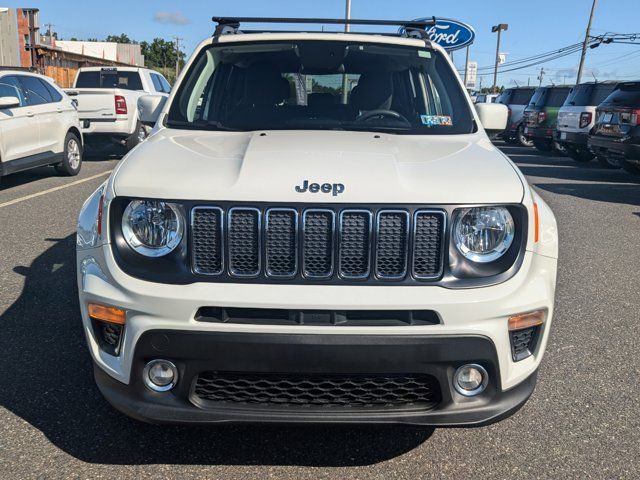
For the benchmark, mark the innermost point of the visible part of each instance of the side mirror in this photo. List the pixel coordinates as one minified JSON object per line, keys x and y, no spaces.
{"x":493,"y":116}
{"x":9,"y":102}
{"x":149,"y":108}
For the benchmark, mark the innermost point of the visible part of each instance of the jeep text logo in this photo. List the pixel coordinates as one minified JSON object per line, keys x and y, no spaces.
{"x":333,"y":188}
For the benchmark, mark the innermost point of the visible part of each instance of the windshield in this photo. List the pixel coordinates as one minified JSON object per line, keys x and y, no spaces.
{"x":109,"y":78}
{"x":589,"y":94}
{"x":549,"y":97}
{"x":626,"y":95}
{"x":521,"y":97}
{"x":321,"y":85}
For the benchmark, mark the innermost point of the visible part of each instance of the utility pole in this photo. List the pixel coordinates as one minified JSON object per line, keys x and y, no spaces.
{"x":177,"y":39}
{"x":49,"y":34}
{"x":497,"y":28}
{"x":347,"y":29}
{"x":586,"y":42}
{"x":541,"y":76}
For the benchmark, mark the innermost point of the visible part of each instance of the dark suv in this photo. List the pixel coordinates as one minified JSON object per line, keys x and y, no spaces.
{"x":616,"y":135}
{"x":541,"y":115}
{"x":516,"y":99}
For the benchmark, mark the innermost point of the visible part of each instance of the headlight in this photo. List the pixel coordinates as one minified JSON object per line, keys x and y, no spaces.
{"x":483,"y":234}
{"x":152,"y":228}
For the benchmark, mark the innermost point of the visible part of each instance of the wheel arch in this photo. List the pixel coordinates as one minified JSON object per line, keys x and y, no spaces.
{"x":76,"y":131}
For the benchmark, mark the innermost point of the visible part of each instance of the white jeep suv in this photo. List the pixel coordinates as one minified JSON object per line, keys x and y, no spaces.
{"x":318,"y":230}
{"x":38,"y":125}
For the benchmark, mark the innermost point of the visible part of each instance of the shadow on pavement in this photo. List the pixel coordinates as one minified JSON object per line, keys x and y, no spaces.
{"x":601,"y":192}
{"x":47,"y":381}
{"x":35,"y":174}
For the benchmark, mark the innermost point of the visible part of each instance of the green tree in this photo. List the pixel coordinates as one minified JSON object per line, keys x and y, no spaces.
{"x":122,"y":38}
{"x":161,"y":55}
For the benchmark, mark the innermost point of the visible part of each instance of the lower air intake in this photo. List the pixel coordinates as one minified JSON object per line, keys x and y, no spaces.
{"x":352,"y":390}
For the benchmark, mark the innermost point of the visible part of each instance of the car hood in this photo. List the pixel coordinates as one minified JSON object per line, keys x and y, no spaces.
{"x":267,"y":166}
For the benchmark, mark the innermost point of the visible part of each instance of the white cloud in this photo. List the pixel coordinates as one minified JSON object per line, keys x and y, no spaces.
{"x":174,"y":18}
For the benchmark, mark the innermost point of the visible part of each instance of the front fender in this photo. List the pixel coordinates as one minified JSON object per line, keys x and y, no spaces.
{"x":547,"y":244}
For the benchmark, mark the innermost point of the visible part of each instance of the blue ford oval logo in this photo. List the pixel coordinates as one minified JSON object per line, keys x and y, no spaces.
{"x":449,"y":34}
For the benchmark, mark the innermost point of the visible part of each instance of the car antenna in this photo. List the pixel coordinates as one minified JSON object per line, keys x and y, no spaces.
{"x":594,"y":77}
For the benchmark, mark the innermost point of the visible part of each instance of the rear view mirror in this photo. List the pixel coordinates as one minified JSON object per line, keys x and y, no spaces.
{"x":493,"y":116}
{"x":9,"y":102}
{"x":150,"y":107}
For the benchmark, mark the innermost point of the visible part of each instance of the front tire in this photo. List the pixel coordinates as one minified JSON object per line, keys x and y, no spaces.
{"x":580,"y":155}
{"x":543,"y":146}
{"x":522,"y":140}
{"x":139,"y":135}
{"x":608,"y":162}
{"x":630,"y":167}
{"x":72,"y":161}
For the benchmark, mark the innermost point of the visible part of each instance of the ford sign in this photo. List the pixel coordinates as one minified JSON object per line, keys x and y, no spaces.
{"x":449,"y":34}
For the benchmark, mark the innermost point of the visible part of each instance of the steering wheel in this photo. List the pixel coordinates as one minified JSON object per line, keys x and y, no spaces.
{"x":381,"y":112}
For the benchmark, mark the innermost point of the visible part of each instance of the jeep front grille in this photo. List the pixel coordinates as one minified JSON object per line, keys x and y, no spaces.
{"x":318,"y":244}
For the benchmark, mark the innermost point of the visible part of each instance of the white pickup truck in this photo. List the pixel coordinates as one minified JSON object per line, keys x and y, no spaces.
{"x":107,"y":100}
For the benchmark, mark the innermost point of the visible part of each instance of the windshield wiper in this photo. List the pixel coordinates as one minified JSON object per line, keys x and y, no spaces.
{"x":369,"y":128}
{"x":213,"y":125}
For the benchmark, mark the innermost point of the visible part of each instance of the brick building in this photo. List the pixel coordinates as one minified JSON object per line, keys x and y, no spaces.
{"x":18,"y":33}
{"x":22,"y":46}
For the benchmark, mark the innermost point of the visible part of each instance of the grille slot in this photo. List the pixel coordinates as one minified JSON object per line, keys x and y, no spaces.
{"x":318,"y":391}
{"x":281,"y":249}
{"x":318,"y":234}
{"x":428,"y":244}
{"x":523,"y":343}
{"x":244,"y":242}
{"x":207,"y":223}
{"x":347,"y":318}
{"x":329,"y":244}
{"x":355,"y":244}
{"x":392,"y":231}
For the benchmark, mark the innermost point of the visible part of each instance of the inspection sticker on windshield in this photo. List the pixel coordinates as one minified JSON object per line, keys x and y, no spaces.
{"x":436,"y":120}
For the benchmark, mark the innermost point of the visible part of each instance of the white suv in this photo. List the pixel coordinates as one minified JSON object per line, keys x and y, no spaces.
{"x":318,"y":230}
{"x":38,"y":125}
{"x":577,"y":116}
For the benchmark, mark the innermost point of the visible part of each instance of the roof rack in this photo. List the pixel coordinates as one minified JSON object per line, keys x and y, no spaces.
{"x":231,"y":25}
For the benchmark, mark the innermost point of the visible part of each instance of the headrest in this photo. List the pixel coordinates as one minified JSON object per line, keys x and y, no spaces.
{"x":266,"y":86}
{"x":321,"y":100}
{"x":374,"y":91}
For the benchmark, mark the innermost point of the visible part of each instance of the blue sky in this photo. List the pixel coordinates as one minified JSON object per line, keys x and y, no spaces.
{"x":535,"y":26}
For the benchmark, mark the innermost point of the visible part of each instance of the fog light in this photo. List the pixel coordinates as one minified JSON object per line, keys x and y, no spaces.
{"x":160,"y":375}
{"x":470,"y":380}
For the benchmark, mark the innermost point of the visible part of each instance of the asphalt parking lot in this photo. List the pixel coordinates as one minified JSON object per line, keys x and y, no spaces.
{"x":582,"y":421}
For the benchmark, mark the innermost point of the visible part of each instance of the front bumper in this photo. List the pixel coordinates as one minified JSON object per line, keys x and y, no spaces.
{"x":468,"y":316}
{"x":308,"y":355}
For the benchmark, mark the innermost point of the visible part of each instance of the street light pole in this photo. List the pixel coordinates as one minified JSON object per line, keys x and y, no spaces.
{"x":347,"y":29}
{"x":497,"y":28}
{"x":586,"y":42}
{"x":466,"y":68}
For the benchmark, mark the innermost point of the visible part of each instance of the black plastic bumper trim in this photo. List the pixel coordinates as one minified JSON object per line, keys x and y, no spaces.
{"x":195,"y":352}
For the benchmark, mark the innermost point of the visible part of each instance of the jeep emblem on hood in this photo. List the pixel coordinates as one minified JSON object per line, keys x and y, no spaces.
{"x":333,"y":188}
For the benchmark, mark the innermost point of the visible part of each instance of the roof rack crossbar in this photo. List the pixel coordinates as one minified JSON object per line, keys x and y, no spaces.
{"x":232,"y":24}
